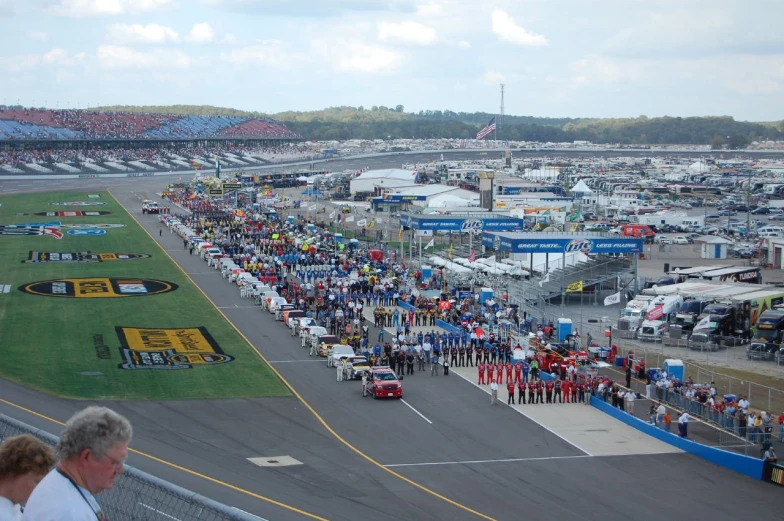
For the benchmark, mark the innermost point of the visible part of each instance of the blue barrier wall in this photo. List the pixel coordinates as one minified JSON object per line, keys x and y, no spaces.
{"x":447,"y":327}
{"x":747,"y":465}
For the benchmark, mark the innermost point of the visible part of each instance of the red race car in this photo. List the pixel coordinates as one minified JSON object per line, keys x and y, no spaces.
{"x":383,"y":383}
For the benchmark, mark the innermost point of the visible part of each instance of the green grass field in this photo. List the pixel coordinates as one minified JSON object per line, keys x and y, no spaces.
{"x":69,"y":347}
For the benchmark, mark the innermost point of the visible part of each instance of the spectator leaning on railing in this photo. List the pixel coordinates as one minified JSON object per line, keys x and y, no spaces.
{"x":91,"y":452}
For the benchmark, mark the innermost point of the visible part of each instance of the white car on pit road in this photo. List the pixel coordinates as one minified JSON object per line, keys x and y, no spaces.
{"x":314,"y":332}
{"x":275,"y":303}
{"x":301,"y":323}
{"x":267,"y":297}
{"x":338,"y":351}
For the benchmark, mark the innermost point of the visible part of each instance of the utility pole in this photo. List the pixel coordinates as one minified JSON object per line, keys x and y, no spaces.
{"x":500,"y":115}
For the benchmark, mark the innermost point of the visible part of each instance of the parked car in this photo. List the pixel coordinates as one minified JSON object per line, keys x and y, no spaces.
{"x":384,"y":383}
{"x":681,"y":239}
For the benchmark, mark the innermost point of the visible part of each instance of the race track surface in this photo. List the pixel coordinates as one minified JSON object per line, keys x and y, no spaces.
{"x":489,"y":459}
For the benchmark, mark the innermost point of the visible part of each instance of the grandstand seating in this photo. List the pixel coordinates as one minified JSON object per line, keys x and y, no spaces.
{"x":35,"y":124}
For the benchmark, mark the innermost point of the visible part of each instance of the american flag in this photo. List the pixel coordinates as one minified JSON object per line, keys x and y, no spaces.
{"x":472,"y":257}
{"x":485,"y":131}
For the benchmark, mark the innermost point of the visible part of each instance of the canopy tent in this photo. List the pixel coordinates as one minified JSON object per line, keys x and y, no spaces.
{"x":581,"y":188}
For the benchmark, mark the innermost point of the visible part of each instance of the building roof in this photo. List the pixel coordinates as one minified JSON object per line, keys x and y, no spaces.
{"x":388,"y":173}
{"x":712,"y":239}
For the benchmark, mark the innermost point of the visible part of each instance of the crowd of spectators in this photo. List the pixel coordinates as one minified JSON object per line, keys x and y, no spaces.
{"x":49,"y":124}
{"x":160,"y":155}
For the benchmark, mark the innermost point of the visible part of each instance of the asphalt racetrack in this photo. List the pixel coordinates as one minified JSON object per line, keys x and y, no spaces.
{"x":453,"y":456}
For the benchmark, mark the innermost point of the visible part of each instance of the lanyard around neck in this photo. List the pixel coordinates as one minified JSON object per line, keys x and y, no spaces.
{"x":98,"y":515}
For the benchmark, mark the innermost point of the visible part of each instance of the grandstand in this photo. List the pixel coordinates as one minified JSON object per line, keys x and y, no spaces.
{"x":42,"y":141}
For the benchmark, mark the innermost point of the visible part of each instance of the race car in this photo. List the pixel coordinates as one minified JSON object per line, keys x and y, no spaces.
{"x":325,"y":342}
{"x":383,"y":383}
{"x":359,"y":365}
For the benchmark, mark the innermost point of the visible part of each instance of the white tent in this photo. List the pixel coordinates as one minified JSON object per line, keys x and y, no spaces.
{"x":700,"y":166}
{"x":581,"y":188}
{"x":449,"y":200}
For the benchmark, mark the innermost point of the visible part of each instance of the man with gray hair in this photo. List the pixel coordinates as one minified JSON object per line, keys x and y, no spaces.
{"x":91,"y":452}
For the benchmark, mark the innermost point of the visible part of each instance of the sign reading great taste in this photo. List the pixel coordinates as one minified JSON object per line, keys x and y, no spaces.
{"x":168,"y":348}
{"x":84,"y":256}
{"x":98,"y":287}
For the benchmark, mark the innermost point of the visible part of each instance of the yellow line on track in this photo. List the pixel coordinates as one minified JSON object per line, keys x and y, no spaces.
{"x":318,"y":417}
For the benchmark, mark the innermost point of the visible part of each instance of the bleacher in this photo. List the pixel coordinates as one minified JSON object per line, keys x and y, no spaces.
{"x":67,"y":168}
{"x":10,"y":129}
{"x":41,"y":124}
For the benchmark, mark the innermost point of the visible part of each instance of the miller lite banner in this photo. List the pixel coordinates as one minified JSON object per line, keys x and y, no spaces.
{"x":539,"y":243}
{"x":461,"y":225}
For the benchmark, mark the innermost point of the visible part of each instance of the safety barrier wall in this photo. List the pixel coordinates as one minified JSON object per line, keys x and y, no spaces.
{"x":137,"y":495}
{"x":747,"y":465}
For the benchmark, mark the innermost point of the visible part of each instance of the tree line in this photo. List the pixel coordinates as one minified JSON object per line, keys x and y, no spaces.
{"x":381,"y":122}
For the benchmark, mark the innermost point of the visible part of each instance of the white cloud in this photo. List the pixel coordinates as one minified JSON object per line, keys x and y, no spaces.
{"x":39,"y":36}
{"x":310,"y":8}
{"x":599,"y":69}
{"x":463,"y":44}
{"x":121,"y":57}
{"x":509,"y":31}
{"x":358,"y":56}
{"x":93,"y":8}
{"x":407,"y":32}
{"x":56,"y":57}
{"x":266,"y":53}
{"x":495,"y":78}
{"x":201,"y":33}
{"x":429,"y":9}
{"x":137,"y":33}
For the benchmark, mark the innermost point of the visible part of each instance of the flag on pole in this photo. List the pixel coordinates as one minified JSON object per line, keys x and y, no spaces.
{"x":450,"y":250}
{"x":615,"y":298}
{"x":400,"y":234}
{"x":703,"y":324}
{"x":350,"y":219}
{"x":575,"y":287}
{"x":430,"y":244}
{"x":545,"y":279}
{"x":485,"y":131}
{"x":472,"y":257}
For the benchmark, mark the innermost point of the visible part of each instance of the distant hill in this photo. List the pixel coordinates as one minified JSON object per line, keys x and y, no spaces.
{"x":381,"y":122}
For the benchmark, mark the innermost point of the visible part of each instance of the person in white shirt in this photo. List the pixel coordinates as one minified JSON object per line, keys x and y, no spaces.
{"x":91,"y":452}
{"x":24,"y":461}
{"x":660,"y":410}
{"x":683,"y":425}
{"x":744,"y":404}
{"x":493,"y":393}
{"x":426,"y":347}
{"x":630,"y":397}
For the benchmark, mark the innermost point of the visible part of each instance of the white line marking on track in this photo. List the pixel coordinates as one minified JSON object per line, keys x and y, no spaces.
{"x":323,"y":360}
{"x":548,"y":429}
{"x":249,"y":514}
{"x":164,"y":514}
{"x":238,"y":307}
{"x":469,"y":462}
{"x":419,"y":413}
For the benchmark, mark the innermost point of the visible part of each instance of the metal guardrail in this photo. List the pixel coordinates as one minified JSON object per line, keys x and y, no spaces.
{"x":140,"y":496}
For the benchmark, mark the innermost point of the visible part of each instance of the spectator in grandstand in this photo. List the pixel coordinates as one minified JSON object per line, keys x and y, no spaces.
{"x":91,"y":452}
{"x":24,"y":461}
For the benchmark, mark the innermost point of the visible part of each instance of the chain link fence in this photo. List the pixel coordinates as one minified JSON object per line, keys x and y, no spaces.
{"x":138,"y":496}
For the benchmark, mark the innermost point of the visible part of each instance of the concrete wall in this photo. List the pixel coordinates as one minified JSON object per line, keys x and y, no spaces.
{"x":747,"y":465}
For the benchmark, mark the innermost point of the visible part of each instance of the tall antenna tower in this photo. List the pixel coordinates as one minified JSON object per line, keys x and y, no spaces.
{"x":500,"y":115}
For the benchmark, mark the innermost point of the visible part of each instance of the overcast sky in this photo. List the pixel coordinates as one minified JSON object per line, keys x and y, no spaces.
{"x":575,"y":58}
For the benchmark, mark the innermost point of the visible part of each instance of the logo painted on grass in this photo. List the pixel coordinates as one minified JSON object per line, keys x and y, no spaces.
{"x":5,"y":288}
{"x":93,"y":196}
{"x":36,"y":257}
{"x":79,"y":203}
{"x":87,"y":233}
{"x":168,"y":348}
{"x":86,"y":226}
{"x":98,"y":287}
{"x":76,"y":213}
{"x":11,"y":230}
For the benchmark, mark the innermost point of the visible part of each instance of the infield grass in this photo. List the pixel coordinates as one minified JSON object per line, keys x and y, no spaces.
{"x":49,"y":343}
